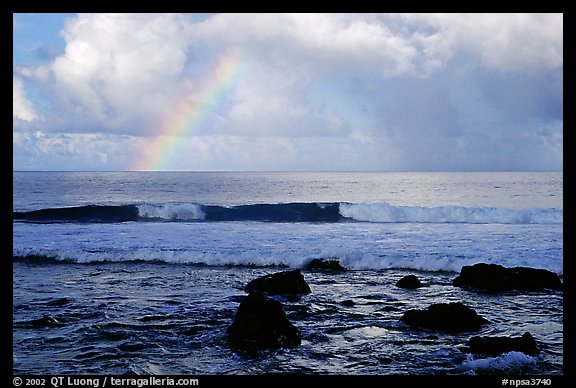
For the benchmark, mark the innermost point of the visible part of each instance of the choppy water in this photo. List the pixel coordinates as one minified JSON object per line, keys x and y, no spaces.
{"x":143,"y":272}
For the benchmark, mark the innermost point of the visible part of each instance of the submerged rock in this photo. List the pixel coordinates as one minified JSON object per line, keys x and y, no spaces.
{"x":286,"y":282}
{"x":494,"y":346}
{"x":58,"y":302}
{"x":496,"y":278}
{"x":409,"y":281}
{"x":45,"y":321}
{"x":261,"y":322}
{"x":325,"y":264}
{"x":448,"y":317}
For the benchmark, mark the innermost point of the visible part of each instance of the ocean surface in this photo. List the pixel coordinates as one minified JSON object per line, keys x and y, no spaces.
{"x":142,"y":273}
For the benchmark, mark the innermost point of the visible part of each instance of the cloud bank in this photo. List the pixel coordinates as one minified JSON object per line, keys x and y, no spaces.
{"x":315,"y":92}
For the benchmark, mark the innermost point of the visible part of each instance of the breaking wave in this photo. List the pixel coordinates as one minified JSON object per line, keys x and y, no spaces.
{"x":290,"y":212}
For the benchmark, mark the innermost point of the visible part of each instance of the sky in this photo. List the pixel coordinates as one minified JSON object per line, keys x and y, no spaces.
{"x":288,"y":92}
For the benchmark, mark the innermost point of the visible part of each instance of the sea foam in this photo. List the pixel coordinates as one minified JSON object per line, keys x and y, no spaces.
{"x":507,"y":363}
{"x":173,"y":212}
{"x":384,"y":212}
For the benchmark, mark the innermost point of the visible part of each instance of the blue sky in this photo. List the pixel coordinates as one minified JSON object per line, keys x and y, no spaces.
{"x":317,"y":92}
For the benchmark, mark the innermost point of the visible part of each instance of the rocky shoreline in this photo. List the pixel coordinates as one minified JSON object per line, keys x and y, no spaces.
{"x":260,"y":321}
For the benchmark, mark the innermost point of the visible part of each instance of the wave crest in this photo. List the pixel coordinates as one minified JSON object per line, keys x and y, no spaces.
{"x":292,"y":212}
{"x":384,"y":212}
{"x":174,"y":212}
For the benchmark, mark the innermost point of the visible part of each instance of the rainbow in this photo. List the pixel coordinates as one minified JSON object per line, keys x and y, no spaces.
{"x":188,"y":115}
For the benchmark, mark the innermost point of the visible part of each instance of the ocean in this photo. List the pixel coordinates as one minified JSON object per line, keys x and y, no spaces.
{"x":142,"y":272}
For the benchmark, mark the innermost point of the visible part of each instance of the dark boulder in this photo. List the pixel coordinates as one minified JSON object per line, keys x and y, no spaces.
{"x":494,"y":346}
{"x":261,"y":323}
{"x":496,"y":278}
{"x":409,"y":281}
{"x":287,"y":282}
{"x":447,"y":317}
{"x":325,"y":264}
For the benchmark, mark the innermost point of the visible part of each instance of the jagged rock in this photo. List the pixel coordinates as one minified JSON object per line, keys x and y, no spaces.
{"x":410,"y":282}
{"x":494,"y":346}
{"x":332,"y":264}
{"x":286,"y":282}
{"x":496,"y":278}
{"x":448,"y":317}
{"x":260,"y":323}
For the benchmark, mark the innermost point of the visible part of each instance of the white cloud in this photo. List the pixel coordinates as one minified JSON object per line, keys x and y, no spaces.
{"x":118,"y":71}
{"x":269,"y":100}
{"x":268,"y":153}
{"x":22,"y":108}
{"x":393,"y":44}
{"x":501,"y":42}
{"x":327,"y":91}
{"x":37,"y":150}
{"x":331,"y":42}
